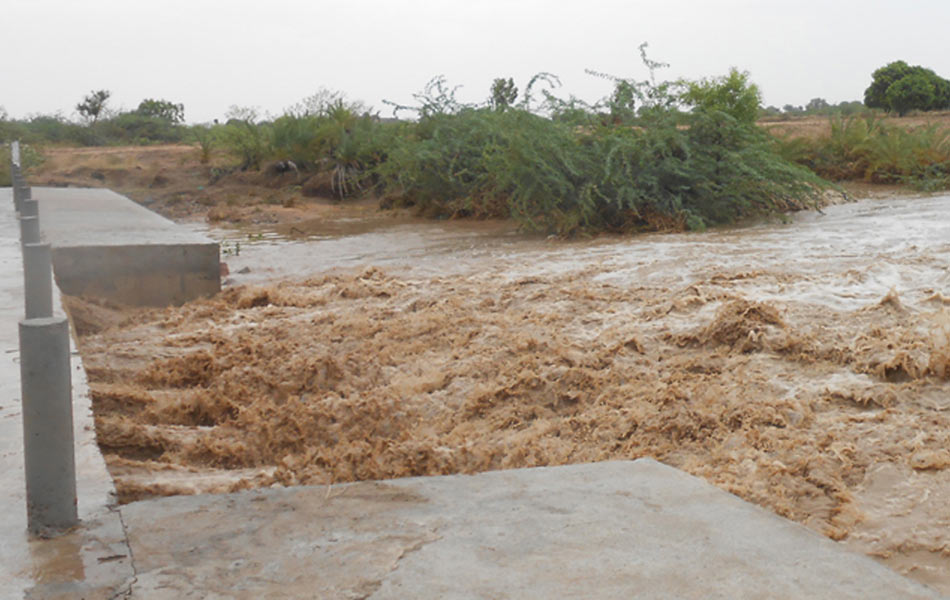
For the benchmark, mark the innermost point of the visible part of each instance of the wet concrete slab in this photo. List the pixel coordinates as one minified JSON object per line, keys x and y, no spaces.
{"x":107,"y":245}
{"x":605,"y":530}
{"x":93,"y":560}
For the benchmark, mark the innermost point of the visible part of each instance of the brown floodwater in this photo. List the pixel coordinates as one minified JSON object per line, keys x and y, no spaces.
{"x":803,"y":366}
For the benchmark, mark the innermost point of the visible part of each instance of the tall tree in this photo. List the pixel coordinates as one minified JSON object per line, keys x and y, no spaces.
{"x":912,"y":92}
{"x":93,"y":105}
{"x":876,"y":94}
{"x":162,"y":109}
{"x":900,"y":88}
{"x":503,"y":93}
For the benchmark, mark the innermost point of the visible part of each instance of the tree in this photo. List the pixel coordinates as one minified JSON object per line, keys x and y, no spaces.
{"x":93,"y":105}
{"x":732,"y":94}
{"x":925,"y":91}
{"x":162,"y":109}
{"x":912,"y":92}
{"x":846,"y":108}
{"x":876,"y":94}
{"x":816,"y":105}
{"x":623,"y":101}
{"x":503,"y":93}
{"x":941,"y":94}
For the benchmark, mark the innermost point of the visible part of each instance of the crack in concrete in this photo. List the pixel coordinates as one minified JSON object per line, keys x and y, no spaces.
{"x":126,"y":591}
{"x":419,"y":545}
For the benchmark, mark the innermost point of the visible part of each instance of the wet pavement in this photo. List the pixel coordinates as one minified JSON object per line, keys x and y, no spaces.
{"x":92,"y":561}
{"x":626,"y":529}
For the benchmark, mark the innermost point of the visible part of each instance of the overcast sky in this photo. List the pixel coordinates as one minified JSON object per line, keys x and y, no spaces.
{"x":269,"y":54}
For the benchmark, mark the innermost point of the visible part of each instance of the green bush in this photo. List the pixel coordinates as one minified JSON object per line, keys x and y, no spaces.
{"x":162,"y":109}
{"x":668,"y":167}
{"x":136,"y":128}
{"x":733,"y":95}
{"x":245,"y":137}
{"x":334,"y":138}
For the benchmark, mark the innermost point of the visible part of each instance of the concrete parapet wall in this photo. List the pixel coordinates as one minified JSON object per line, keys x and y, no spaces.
{"x":108,"y":246}
{"x":145,"y":275}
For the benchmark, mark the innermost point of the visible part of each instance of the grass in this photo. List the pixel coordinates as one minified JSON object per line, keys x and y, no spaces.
{"x":877,"y":151}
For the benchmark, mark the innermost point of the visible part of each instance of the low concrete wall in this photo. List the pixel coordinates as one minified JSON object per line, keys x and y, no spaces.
{"x":147,"y":275}
{"x":108,"y":246}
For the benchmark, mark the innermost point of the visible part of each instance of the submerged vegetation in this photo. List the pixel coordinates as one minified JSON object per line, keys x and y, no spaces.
{"x":652,"y":154}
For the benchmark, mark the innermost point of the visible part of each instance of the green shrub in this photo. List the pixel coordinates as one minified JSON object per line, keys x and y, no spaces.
{"x":136,"y":128}
{"x":733,"y":95}
{"x":245,"y":138}
{"x":162,"y":109}
{"x":334,"y":137}
{"x":206,"y":136}
{"x":665,"y":168}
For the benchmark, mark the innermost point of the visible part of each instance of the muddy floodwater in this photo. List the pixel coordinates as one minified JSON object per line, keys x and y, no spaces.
{"x":802,"y":366}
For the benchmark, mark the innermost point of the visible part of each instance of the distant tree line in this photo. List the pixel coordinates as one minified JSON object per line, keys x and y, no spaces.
{"x":816,"y":107}
{"x":153,"y":121}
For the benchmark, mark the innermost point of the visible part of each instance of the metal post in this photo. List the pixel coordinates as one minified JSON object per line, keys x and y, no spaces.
{"x":46,"y":390}
{"x":30,"y":230}
{"x":38,"y":280}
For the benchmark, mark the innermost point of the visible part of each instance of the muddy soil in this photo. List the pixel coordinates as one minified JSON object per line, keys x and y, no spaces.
{"x":803,"y":367}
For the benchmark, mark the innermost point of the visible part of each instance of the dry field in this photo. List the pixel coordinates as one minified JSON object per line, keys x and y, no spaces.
{"x":817,"y":126}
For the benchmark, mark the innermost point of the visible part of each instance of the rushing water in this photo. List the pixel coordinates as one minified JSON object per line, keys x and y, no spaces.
{"x":802,"y":365}
{"x":850,"y":253}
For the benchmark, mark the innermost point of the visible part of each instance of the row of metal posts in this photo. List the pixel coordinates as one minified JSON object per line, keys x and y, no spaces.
{"x":45,"y":378}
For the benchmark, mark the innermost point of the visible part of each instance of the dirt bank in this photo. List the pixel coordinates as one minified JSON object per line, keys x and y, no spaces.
{"x":171,"y":180}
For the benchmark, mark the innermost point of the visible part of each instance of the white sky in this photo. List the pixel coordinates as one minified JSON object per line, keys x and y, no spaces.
{"x":211,"y":54}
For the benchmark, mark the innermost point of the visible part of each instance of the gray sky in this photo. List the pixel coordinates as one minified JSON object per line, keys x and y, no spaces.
{"x":210,"y":54}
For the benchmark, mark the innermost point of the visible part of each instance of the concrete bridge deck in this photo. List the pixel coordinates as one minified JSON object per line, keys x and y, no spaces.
{"x":608,"y":530}
{"x":106,"y":245}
